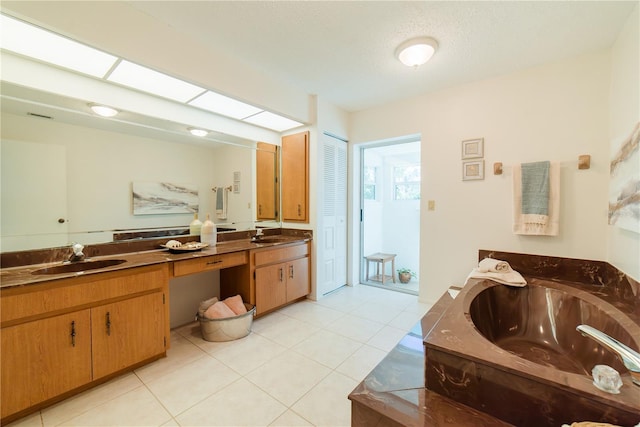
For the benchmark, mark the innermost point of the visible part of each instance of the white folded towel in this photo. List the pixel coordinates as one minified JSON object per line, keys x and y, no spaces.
{"x":498,"y":271}
{"x":490,"y":265}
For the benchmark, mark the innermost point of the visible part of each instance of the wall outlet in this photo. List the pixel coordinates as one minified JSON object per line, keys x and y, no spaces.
{"x":431,"y":205}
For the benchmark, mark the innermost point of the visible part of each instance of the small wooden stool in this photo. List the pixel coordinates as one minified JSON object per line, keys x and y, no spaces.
{"x":380,"y":258}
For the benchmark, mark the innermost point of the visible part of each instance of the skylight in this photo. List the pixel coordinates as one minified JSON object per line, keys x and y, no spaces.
{"x":224,"y":105}
{"x":272,"y":121}
{"x":150,"y":81}
{"x":37,"y":43}
{"x":24,"y":39}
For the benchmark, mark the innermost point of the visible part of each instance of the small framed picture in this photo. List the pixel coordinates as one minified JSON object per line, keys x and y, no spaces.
{"x":473,"y":170}
{"x":473,"y":148}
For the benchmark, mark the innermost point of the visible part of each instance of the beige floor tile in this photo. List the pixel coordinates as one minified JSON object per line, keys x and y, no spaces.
{"x":312,"y":312}
{"x":267,"y":321}
{"x":192,"y":383}
{"x":327,"y":403}
{"x":182,"y":352}
{"x":387,"y":338}
{"x":249,"y":353}
{"x":288,"y":377}
{"x":136,"y":408}
{"x":354,"y":327}
{"x":377,"y":311}
{"x":328,"y":348}
{"x":240,"y":404}
{"x":290,"y":419}
{"x":405,"y":320}
{"x":76,"y":405}
{"x":33,"y":420}
{"x":362,"y":362}
{"x":288,"y":331}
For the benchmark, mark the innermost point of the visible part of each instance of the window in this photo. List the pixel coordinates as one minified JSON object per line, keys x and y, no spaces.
{"x":406,"y":182}
{"x":369,"y":187}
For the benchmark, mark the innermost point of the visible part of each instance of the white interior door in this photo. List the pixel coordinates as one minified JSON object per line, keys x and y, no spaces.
{"x":334,"y":216}
{"x":33,"y":203}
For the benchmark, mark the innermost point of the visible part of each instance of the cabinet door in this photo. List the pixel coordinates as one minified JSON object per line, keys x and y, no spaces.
{"x":44,"y":358}
{"x":295,"y":177}
{"x":271,"y":287}
{"x":127,"y":332}
{"x":266,"y":181}
{"x":297,"y":278}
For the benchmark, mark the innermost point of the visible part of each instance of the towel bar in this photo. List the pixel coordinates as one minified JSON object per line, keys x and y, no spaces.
{"x":584,"y":162}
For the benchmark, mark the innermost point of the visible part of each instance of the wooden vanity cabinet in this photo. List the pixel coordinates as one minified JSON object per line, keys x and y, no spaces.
{"x":295,"y":177}
{"x":60,"y":336}
{"x":44,"y":358}
{"x":281,"y":275}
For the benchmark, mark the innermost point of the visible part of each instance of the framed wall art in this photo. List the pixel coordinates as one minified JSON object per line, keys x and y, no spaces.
{"x":473,"y":148}
{"x":473,"y":170}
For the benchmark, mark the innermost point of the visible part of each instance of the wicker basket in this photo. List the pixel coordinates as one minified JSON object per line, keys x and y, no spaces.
{"x":229,"y":328}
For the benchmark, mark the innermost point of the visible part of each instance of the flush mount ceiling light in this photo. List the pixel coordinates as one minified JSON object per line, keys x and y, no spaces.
{"x":416,"y":52}
{"x":198,"y":132}
{"x":103,"y":110}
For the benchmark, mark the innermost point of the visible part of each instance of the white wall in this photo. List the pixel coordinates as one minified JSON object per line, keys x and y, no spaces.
{"x":554,"y":112}
{"x":624,"y":245}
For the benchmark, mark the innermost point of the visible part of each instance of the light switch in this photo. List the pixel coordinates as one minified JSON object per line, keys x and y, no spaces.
{"x":431,"y":205}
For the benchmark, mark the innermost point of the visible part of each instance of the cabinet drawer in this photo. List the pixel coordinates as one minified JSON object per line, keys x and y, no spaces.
{"x":214,"y":262}
{"x":62,"y":295}
{"x":269,"y":256}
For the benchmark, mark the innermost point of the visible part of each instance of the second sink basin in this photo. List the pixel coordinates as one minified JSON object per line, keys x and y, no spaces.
{"x":75,"y":267}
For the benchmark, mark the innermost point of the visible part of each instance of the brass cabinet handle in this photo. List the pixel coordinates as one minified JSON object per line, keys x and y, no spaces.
{"x":259,"y":209}
{"x":73,"y":333}
{"x":299,"y":210}
{"x":218,"y":261}
{"x":281,"y":274}
{"x":108,"y":323}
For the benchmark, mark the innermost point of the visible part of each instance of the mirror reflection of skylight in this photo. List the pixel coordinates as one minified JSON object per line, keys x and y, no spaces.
{"x":272,"y":121}
{"x":24,"y":39}
{"x":150,"y":81}
{"x":224,"y":105}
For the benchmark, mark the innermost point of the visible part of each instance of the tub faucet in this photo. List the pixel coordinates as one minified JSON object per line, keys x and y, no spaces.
{"x":630,"y":358}
{"x":77,"y":254}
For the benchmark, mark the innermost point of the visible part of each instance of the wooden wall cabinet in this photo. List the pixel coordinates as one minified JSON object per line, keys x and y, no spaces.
{"x":295,"y":177}
{"x":267,"y":197}
{"x":63,"y":335}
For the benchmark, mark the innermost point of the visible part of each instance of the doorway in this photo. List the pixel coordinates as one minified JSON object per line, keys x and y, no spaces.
{"x":390,"y":215}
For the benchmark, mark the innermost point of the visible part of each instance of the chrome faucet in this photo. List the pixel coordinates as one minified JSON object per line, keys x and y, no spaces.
{"x":77,"y":254}
{"x":258,"y":235}
{"x":630,"y":358}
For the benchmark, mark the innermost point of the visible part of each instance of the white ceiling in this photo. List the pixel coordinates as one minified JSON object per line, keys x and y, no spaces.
{"x":343,"y":51}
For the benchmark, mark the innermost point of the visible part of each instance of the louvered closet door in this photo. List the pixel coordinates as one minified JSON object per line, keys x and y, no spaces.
{"x":334,"y":215}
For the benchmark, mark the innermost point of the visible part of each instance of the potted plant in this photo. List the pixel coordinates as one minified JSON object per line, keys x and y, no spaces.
{"x":405,"y":275}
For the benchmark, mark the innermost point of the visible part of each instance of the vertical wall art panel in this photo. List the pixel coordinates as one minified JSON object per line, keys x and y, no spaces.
{"x":624,"y":187}
{"x":152,"y":198}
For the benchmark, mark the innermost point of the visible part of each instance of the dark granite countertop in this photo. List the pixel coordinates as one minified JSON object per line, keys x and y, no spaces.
{"x":394,"y":393}
{"x":23,"y":275}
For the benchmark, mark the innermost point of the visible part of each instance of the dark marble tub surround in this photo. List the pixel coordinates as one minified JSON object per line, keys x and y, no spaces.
{"x":135,"y":244}
{"x":393,"y":394}
{"x":616,"y":287}
{"x":462,"y":364}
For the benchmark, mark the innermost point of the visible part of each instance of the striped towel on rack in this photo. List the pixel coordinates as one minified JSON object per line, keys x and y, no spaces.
{"x":536,"y":199}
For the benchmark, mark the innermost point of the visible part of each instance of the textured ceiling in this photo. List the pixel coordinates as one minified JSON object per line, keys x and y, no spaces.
{"x":344,"y":51}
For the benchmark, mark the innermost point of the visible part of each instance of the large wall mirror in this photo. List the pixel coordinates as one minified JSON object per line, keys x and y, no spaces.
{"x":68,"y":176}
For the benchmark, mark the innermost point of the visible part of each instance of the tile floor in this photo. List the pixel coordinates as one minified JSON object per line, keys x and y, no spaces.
{"x":296,"y":368}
